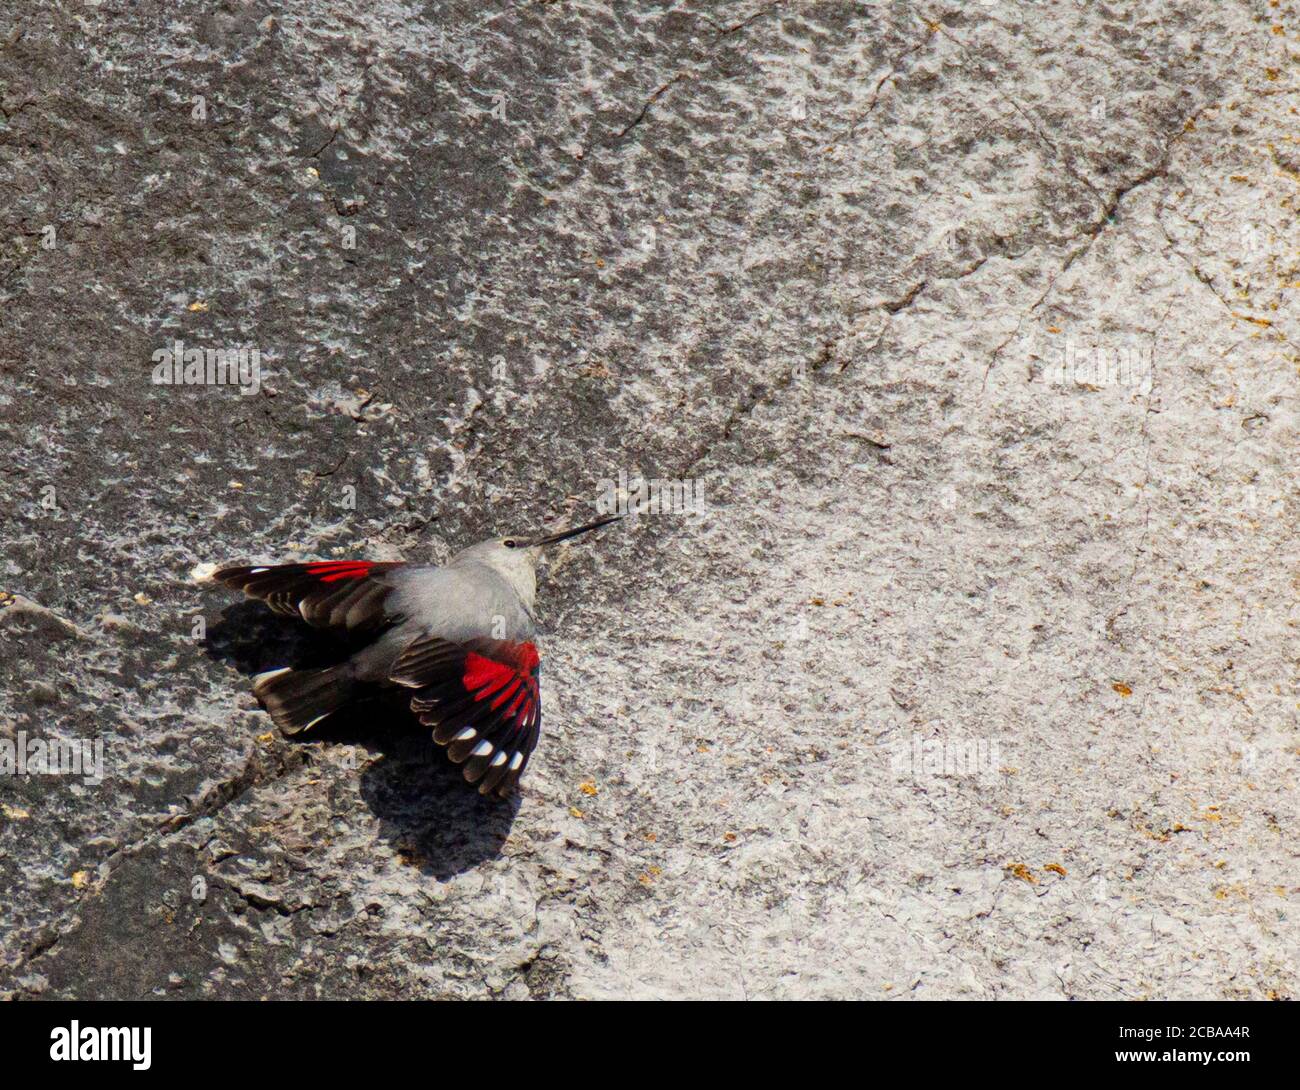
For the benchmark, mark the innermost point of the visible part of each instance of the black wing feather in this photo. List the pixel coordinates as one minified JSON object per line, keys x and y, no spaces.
{"x":483,"y":701}
{"x":343,"y":594}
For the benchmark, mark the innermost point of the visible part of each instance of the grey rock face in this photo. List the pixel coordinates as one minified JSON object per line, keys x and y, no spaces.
{"x":977,"y":327}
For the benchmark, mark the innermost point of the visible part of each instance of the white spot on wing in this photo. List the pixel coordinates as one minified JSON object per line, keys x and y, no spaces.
{"x":499,"y":759}
{"x":516,"y":761}
{"x":467,"y":733}
{"x":482,"y":749}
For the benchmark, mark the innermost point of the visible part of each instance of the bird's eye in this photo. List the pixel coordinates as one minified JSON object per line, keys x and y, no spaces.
{"x":509,"y":543}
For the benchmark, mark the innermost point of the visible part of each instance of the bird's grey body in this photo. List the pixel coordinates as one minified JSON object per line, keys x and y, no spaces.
{"x":487,"y":591}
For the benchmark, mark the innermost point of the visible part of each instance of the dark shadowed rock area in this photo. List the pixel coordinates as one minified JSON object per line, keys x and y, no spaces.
{"x":976,"y":325}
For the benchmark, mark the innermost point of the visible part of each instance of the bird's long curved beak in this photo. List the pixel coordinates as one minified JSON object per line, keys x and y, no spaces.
{"x":564,"y":535}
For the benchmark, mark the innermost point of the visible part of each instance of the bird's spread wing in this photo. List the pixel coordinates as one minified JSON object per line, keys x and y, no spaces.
{"x":347,"y":594}
{"x":482,"y":700}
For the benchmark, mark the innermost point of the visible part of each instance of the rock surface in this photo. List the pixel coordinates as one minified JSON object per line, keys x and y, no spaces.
{"x":975,"y":322}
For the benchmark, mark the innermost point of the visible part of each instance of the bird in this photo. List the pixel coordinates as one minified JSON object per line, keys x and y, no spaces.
{"x":458,"y":639}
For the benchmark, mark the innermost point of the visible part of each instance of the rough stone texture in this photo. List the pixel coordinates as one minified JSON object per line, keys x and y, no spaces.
{"x":824,"y":257}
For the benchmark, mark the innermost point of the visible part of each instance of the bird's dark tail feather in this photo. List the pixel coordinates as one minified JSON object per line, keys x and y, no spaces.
{"x":298,"y":699}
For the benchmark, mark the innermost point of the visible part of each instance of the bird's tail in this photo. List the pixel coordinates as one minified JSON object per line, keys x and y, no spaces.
{"x":298,"y":699}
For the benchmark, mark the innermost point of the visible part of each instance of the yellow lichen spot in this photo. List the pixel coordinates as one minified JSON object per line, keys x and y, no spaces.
{"x":1122,"y":689}
{"x":80,"y":879}
{"x":1053,"y":329}
{"x":267,"y":738}
{"x":730,"y":838}
{"x":1019,"y":870}
{"x":1056,"y":868}
{"x":198,"y":306}
{"x":14,"y":813}
{"x":575,"y":812}
{"x":588,"y":788}
{"x":142,"y":599}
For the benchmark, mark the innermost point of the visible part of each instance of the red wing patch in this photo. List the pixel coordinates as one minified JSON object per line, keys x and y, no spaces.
{"x":348,"y":594}
{"x":334,"y":570}
{"x":483,"y":701}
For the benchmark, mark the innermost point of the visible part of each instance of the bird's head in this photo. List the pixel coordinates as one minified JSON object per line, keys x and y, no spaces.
{"x":516,"y":557}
